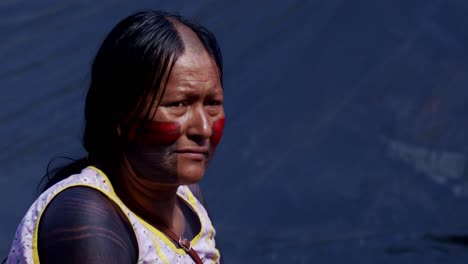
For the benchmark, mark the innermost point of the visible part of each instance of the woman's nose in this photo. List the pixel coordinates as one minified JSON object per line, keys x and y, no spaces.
{"x":199,"y":124}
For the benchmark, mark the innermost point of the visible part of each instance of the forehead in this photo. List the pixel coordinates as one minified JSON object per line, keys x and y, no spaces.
{"x":194,"y":69}
{"x":195,"y":64}
{"x":191,"y":73}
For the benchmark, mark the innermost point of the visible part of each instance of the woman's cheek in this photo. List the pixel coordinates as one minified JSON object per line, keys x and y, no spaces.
{"x":218,"y":127}
{"x":156,"y":133}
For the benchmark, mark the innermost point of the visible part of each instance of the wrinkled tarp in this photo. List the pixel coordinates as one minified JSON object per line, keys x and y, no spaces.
{"x":346,"y":136}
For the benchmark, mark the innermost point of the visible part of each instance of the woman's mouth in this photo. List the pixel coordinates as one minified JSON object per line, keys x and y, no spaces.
{"x":193,"y":153}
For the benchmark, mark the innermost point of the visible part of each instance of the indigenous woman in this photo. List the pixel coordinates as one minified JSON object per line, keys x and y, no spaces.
{"x":153,"y":118}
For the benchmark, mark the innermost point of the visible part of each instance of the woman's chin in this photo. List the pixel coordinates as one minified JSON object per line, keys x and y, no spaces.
{"x":190,"y":173}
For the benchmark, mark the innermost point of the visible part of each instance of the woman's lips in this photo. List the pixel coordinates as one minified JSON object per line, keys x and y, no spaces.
{"x":196,"y":154}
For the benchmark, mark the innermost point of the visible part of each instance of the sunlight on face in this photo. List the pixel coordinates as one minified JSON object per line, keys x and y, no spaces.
{"x":178,"y":143}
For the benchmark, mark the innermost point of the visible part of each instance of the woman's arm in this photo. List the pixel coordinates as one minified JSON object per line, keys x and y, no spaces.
{"x":82,"y":225}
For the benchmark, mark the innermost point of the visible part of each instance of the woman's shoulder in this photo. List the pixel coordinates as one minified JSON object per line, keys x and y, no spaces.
{"x":80,"y":204}
{"x":82,"y":224}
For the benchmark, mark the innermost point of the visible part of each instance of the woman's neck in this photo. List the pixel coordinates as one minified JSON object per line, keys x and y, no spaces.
{"x":154,"y":202}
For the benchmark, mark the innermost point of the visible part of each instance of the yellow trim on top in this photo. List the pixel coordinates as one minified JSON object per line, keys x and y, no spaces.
{"x":154,"y":230}
{"x":159,"y":252}
{"x":218,"y":254}
{"x":193,"y":201}
{"x":113,"y":196}
{"x":193,"y":204}
{"x":143,"y":222}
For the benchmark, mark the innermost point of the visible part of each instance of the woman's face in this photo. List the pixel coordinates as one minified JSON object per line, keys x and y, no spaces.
{"x":180,"y":140}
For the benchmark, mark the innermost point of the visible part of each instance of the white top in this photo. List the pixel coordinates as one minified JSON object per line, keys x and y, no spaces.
{"x":153,"y":246}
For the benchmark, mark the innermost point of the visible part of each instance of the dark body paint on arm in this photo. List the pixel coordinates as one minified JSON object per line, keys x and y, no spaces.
{"x":82,"y":225}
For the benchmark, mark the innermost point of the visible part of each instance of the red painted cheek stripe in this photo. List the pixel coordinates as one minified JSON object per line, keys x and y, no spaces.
{"x":160,"y":133}
{"x":218,"y":127}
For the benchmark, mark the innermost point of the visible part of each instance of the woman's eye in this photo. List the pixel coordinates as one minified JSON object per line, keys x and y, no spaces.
{"x":177,"y":104}
{"x":214,"y":102}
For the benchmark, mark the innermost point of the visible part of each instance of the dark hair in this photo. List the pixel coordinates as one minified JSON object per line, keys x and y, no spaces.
{"x":127,"y":71}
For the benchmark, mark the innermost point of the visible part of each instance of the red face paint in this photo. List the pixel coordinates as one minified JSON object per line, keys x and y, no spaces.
{"x":218,"y":127}
{"x":153,"y":132}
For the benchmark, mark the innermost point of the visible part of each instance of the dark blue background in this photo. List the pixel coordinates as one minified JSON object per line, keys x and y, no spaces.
{"x":346,"y":137}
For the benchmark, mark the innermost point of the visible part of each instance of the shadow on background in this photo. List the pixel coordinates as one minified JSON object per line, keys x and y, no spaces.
{"x":346,"y":136}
